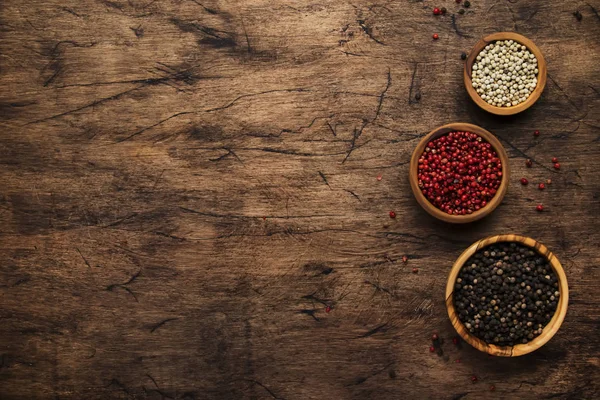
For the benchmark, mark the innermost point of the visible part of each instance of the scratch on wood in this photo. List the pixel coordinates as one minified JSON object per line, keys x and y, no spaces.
{"x":333,"y":130}
{"x":353,"y":194}
{"x":161,"y":323}
{"x":117,"y":222}
{"x":368,"y":31}
{"x":229,"y":152}
{"x":152,"y":126}
{"x":563,"y":92}
{"x":362,"y":379}
{"x":92,"y":104}
{"x":231,"y":103}
{"x":208,"y":10}
{"x":311,"y":313}
{"x":315,"y":298}
{"x":324,"y":179}
{"x":123,"y":286}
{"x":380,"y":328}
{"x":70,"y":11}
{"x":84,"y":260}
{"x":412,"y":84}
{"x":380,"y":288}
{"x":269,"y":391}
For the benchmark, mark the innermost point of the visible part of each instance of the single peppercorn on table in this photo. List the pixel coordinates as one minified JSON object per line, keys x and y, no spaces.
{"x":191,"y":209}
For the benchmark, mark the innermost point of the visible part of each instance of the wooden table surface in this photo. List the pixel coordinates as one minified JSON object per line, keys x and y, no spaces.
{"x":187,"y":185}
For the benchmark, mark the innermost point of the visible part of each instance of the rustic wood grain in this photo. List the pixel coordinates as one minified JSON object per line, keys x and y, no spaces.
{"x":188,"y":184}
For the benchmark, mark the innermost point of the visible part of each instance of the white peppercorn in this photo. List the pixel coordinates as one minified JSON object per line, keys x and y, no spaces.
{"x":504,"y":73}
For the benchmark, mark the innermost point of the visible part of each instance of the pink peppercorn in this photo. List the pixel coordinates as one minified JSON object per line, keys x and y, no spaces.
{"x":459,"y":173}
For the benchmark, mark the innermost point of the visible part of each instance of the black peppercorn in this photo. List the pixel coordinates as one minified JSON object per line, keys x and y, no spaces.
{"x":463,"y":56}
{"x":505,"y":294}
{"x":467,"y":4}
{"x":461,"y":11}
{"x":578,"y":15}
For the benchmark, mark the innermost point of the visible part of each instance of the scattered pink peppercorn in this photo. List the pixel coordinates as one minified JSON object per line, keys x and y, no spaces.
{"x":435,"y":336}
{"x":431,"y":349}
{"x":327,"y":309}
{"x":549,"y":181}
{"x":524,"y":181}
{"x":528,"y":163}
{"x":554,"y":160}
{"x":392,"y":214}
{"x":542,"y":186}
{"x":379,"y":177}
{"x":473,"y":378}
{"x":436,"y":36}
{"x":415,"y":270}
{"x":404,"y":259}
{"x":492,"y":388}
{"x":539,"y":207}
{"x":458,"y":1}
{"x":556,"y":166}
{"x":436,"y":11}
{"x":457,"y":360}
{"x":459,"y":173}
{"x":536,"y":133}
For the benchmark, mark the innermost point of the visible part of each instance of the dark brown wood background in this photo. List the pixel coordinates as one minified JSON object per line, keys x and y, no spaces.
{"x":186,"y":185}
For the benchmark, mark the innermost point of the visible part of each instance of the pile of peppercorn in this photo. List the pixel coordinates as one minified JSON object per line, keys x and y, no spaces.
{"x":505,"y":294}
{"x":459,"y":173}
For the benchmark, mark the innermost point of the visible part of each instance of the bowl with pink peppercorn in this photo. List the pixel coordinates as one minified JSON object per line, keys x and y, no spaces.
{"x":459,"y":172}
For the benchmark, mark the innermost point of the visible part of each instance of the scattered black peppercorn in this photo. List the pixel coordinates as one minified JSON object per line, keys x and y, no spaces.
{"x":578,"y":15}
{"x":467,"y":4}
{"x":463,"y":56}
{"x":505,"y":294}
{"x":418,"y":96}
{"x":443,"y":9}
{"x":461,"y":11}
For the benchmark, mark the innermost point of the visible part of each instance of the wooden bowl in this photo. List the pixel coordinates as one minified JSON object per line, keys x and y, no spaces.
{"x":414,"y":168}
{"x":541,"y":78}
{"x":548,"y":331}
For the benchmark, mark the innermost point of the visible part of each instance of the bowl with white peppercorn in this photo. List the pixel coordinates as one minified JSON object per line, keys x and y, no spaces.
{"x":507,"y":295}
{"x":505,"y":73}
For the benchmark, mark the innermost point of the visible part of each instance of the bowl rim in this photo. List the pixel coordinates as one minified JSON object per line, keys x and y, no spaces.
{"x":432,"y":209}
{"x":542,"y":73}
{"x":547,"y":332}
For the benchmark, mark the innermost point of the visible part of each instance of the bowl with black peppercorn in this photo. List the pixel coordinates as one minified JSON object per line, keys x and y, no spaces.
{"x":505,"y":73}
{"x":507,"y":295}
{"x":459,"y":172}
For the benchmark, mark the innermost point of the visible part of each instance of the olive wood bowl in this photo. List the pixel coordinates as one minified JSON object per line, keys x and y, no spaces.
{"x":541,"y":77}
{"x":548,"y":331}
{"x":414,"y":168}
